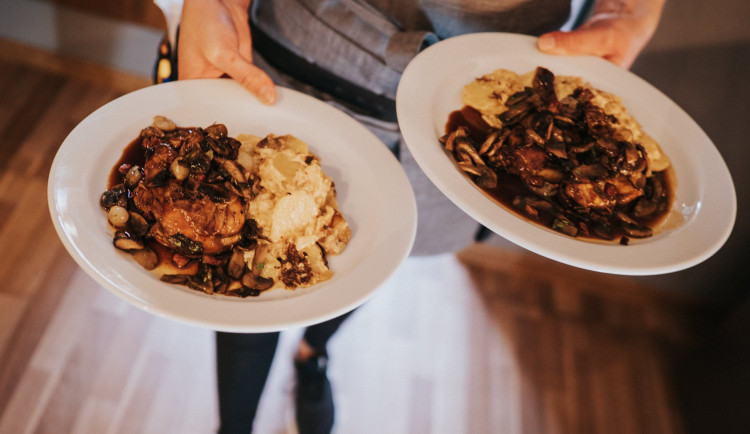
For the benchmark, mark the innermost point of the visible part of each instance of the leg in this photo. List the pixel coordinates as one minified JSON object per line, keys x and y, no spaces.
{"x":314,"y":397}
{"x":242,"y":363}
{"x":317,"y":336}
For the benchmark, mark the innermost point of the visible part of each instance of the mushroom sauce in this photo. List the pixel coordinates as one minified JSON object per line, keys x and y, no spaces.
{"x":224,"y":215}
{"x":560,"y":153}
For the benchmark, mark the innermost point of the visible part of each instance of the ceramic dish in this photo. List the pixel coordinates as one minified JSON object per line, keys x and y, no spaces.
{"x":373,"y":193}
{"x":703,"y":212}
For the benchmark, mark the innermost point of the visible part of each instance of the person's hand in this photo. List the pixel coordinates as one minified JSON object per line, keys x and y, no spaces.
{"x":617,"y":31}
{"x":214,"y":41}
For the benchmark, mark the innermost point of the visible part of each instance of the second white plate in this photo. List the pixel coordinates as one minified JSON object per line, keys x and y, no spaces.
{"x":705,"y":206}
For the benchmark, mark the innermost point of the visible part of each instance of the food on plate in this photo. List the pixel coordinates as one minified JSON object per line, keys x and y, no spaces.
{"x":224,"y":215}
{"x":561,"y":153}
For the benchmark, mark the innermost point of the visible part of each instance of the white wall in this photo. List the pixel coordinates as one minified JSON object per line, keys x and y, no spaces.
{"x":125,"y":46}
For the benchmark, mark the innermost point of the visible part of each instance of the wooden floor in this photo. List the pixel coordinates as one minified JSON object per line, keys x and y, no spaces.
{"x":488,"y":341}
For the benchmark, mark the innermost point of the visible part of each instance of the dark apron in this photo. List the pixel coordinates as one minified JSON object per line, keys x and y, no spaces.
{"x":356,"y":50}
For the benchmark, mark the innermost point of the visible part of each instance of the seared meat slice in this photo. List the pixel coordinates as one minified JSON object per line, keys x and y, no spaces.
{"x":543,"y":84}
{"x":626,"y":191}
{"x":528,"y":160}
{"x":215,"y":225}
{"x":145,"y":201}
{"x":208,"y":215}
{"x":156,"y":168}
{"x":591,"y":195}
{"x":197,"y":216}
{"x":150,"y":200}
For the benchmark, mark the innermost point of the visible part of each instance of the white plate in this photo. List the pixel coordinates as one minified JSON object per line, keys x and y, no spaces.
{"x":705,"y":206}
{"x":374,"y":195}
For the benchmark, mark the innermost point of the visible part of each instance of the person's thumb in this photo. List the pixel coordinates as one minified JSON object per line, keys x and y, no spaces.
{"x":577,"y":42}
{"x":251,"y":78}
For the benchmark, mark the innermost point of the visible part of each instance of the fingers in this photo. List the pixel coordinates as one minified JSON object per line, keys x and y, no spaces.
{"x":594,"y":41}
{"x":238,"y":13}
{"x":215,"y":41}
{"x":573,"y":43}
{"x":249,"y":76}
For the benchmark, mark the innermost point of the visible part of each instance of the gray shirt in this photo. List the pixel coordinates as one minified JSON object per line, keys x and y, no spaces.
{"x":370,"y":42}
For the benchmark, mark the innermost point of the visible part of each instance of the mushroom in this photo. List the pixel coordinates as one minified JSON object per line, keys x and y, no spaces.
{"x":179,"y":279}
{"x":133,"y":176}
{"x":233,"y":169}
{"x":488,"y":142}
{"x":631,"y":227}
{"x":116,"y":195}
{"x":202,"y":280}
{"x":216,"y":130}
{"x":138,"y":225}
{"x":123,"y":241}
{"x":163,"y":123}
{"x":532,"y":205}
{"x":252,"y":281}
{"x":185,"y":246}
{"x":565,"y":226}
{"x":179,"y":169}
{"x":146,"y":257}
{"x":236,"y":265}
{"x":251,"y":277}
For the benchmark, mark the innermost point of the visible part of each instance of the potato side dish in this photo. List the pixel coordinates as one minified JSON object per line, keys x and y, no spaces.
{"x":224,"y":215}
{"x":561,"y":153}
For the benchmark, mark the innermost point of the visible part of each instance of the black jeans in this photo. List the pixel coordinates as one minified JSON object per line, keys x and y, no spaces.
{"x":243,"y":361}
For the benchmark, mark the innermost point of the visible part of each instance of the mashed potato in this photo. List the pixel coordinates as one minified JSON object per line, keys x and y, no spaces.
{"x":488,"y":95}
{"x":294,"y":206}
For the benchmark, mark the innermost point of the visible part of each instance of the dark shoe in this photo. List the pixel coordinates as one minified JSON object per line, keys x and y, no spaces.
{"x":314,"y":397}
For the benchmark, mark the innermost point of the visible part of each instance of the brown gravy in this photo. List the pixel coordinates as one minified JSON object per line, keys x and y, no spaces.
{"x":510,"y":186}
{"x":133,"y":155}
